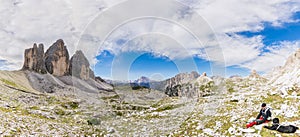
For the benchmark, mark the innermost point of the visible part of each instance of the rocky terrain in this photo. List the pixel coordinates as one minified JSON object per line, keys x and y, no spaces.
{"x":46,"y":98}
{"x":189,"y":85}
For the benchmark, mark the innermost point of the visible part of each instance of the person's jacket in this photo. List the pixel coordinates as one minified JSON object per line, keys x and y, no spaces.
{"x":265,"y":114}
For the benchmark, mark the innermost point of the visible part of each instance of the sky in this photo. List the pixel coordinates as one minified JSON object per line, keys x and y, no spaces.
{"x":127,"y":39}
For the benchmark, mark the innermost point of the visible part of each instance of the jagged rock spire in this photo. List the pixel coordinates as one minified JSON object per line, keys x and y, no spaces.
{"x":57,"y":59}
{"x":80,"y":66}
{"x":34,"y":59}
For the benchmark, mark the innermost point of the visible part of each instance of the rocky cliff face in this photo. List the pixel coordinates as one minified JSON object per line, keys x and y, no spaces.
{"x":34,"y":59}
{"x":293,"y":60}
{"x":287,"y":77}
{"x":80,"y":66}
{"x":55,"y":62}
{"x":57,"y":59}
{"x":189,"y":85}
{"x":174,"y":85}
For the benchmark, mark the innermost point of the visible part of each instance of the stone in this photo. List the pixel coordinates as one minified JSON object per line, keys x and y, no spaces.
{"x":93,"y":121}
{"x":57,"y":59}
{"x":34,"y":59}
{"x":80,"y":66}
{"x":231,"y":131}
{"x":204,"y":74}
{"x":111,"y":130}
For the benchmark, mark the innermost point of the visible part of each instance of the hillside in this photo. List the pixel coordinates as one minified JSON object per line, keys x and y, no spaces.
{"x":284,"y":79}
{"x":49,"y":99}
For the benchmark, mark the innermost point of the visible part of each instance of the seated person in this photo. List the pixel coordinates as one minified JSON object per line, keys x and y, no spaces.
{"x":263,"y":116}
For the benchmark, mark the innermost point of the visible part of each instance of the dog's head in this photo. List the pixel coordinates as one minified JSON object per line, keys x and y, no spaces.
{"x":275,"y":120}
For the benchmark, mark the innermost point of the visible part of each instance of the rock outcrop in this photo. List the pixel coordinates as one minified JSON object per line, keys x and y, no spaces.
{"x":287,"y":77}
{"x":293,"y":60}
{"x":174,"y":86}
{"x":80,"y":66}
{"x":55,"y":62}
{"x":185,"y":84}
{"x":34,"y":59}
{"x":57,"y":59}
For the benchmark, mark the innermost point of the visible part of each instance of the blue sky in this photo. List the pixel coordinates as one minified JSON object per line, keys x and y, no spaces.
{"x":155,"y":67}
{"x":124,"y":39}
{"x":274,"y":34}
{"x":149,"y":65}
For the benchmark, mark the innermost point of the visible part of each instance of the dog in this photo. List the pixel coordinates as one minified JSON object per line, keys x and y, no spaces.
{"x":280,"y":128}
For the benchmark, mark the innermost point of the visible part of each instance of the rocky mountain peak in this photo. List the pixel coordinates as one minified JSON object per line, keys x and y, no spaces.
{"x":80,"y":66}
{"x":293,"y":60}
{"x":34,"y":59}
{"x":254,"y":74}
{"x":142,"y":82}
{"x":174,"y":84}
{"x":57,"y":59}
{"x":183,"y":78}
{"x":204,"y":74}
{"x":142,"y":79}
{"x":287,"y":76}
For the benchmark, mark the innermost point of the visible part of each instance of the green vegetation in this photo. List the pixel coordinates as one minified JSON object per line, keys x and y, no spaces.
{"x":59,"y":111}
{"x":168,"y":107}
{"x":9,"y":83}
{"x":111,"y":97}
{"x":188,"y":127}
{"x":229,"y":86}
{"x":210,"y":86}
{"x":52,"y":100}
{"x":13,"y":85}
{"x":119,"y":113}
{"x":294,"y":88}
{"x":148,"y":117}
{"x":34,"y":107}
{"x":164,"y":101}
{"x":273,"y":99}
{"x":71,"y":104}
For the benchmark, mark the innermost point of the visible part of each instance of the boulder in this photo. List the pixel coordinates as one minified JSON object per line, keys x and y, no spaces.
{"x":34,"y":59}
{"x":57,"y":59}
{"x":80,"y":66}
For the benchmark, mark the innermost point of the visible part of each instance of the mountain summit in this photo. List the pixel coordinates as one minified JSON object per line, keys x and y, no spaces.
{"x":53,"y":70}
{"x":56,"y":61}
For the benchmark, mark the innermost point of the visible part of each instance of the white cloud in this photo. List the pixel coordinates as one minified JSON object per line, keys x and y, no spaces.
{"x":25,"y":22}
{"x":238,"y":49}
{"x":241,"y":15}
{"x":277,"y":55}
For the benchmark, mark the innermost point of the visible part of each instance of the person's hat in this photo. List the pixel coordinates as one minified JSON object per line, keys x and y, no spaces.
{"x":263,"y":104}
